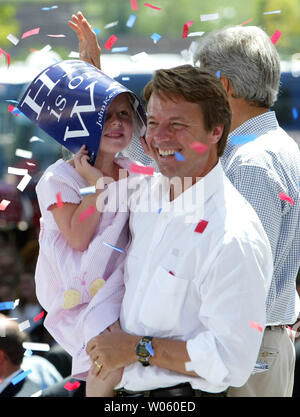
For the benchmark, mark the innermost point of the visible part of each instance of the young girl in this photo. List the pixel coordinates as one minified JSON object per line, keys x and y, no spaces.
{"x":79,"y":273}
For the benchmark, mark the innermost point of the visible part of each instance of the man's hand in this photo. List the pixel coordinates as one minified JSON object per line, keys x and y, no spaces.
{"x":113,"y":349}
{"x":89,"y":49}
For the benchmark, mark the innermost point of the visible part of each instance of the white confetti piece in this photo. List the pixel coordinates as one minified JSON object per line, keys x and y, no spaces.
{"x":24,"y":325}
{"x":17,"y":171}
{"x":35,"y":139}
{"x":139,"y":57}
{"x":13,"y":39}
{"x":4,"y":204}
{"x":207,"y":17}
{"x":24,"y":182}
{"x":74,"y":54}
{"x":37,"y":394}
{"x":111,"y":25}
{"x":274,"y":12}
{"x":44,"y":347}
{"x":195,"y":34}
{"x":23,"y":154}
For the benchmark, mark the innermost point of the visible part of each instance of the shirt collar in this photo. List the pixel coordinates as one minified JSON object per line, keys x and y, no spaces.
{"x":258,"y":125}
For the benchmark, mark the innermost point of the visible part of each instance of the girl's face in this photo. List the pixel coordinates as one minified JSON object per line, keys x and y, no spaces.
{"x":118,"y":125}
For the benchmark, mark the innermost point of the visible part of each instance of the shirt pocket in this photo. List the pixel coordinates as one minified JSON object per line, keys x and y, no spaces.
{"x":163,"y":301}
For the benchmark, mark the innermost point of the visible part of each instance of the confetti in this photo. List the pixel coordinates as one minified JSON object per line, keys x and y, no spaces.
{"x":28,"y":353}
{"x":295,"y":113}
{"x":11,"y":108}
{"x":69,"y":386}
{"x":24,"y":182}
{"x":7,"y":305}
{"x":73,"y":54}
{"x":96,"y":31}
{"x":155,"y":37}
{"x":139,"y":57}
{"x":172,"y":273}
{"x":24,"y":325}
{"x":7,"y":56}
{"x":57,"y":36}
{"x":199,"y":147}
{"x":59,"y":201}
{"x":218,"y":74}
{"x":4,"y":204}
{"x":31,"y":32}
{"x":256,"y":326}
{"x":149,"y":348}
{"x":138,"y":169}
{"x":274,"y":12}
{"x":86,"y":213}
{"x":151,"y":6}
{"x":109,"y":43}
{"x":186,"y":27}
{"x":35,"y":139}
{"x":207,"y":17}
{"x":134,"y":4}
{"x":49,"y":8}
{"x":276,"y":36}
{"x":196,"y":34}
{"x":159,"y":210}
{"x":119,"y":49}
{"x":247,"y":21}
{"x":125,"y":78}
{"x":39,"y":316}
{"x":285,"y":197}
{"x":43,"y":347}
{"x":17,"y":171}
{"x":242,"y":139}
{"x":20,"y":377}
{"x":23,"y":154}
{"x":179,"y":157}
{"x":201,"y":226}
{"x":113,"y":247}
{"x":111,"y":25}
{"x":87,"y":190}
{"x":13,"y":39}
{"x":131,"y":21}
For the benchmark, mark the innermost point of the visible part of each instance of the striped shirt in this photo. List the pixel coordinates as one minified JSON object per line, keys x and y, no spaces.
{"x":262,"y":169}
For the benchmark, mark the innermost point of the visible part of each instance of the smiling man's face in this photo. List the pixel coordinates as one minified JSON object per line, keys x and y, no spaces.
{"x":173,"y":124}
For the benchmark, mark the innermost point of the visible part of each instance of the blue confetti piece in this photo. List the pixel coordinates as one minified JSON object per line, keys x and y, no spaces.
{"x":242,"y":139}
{"x":28,"y":352}
{"x":218,"y":74}
{"x":96,"y":31}
{"x":131,"y":21}
{"x":149,"y":348}
{"x":12,"y":101}
{"x":7,"y":305}
{"x":119,"y":49}
{"x":20,"y":377}
{"x":114,"y":247}
{"x":295,"y":113}
{"x":49,"y":8}
{"x":179,"y":157}
{"x":155,"y":37}
{"x":159,"y":210}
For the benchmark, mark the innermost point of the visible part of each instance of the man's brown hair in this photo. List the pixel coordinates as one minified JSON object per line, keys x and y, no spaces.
{"x":196,"y":86}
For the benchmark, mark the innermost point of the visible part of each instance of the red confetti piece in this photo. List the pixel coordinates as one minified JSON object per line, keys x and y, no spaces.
{"x":285,"y":197}
{"x":86,"y":213}
{"x":31,"y":32}
{"x":4,"y":204}
{"x":59,"y":200}
{"x":256,"y":326}
{"x":39,"y":316}
{"x":172,"y":273}
{"x":11,"y":109}
{"x":110,"y":42}
{"x":186,"y":27}
{"x":137,"y":169}
{"x":247,"y":21}
{"x":199,"y":147}
{"x":201,"y":226}
{"x":7,"y":56}
{"x":69,"y":386}
{"x":134,"y":4}
{"x":151,"y":6}
{"x":276,"y":36}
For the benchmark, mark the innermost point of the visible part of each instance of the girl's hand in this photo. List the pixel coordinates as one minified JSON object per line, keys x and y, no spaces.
{"x":89,"y":49}
{"x":82,"y":151}
{"x":85,"y":169}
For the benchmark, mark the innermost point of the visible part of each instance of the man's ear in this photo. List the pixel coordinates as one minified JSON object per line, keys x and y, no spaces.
{"x":216,"y":133}
{"x":145,"y":146}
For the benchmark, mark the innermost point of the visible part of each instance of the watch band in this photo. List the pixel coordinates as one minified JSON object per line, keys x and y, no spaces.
{"x":144,"y":350}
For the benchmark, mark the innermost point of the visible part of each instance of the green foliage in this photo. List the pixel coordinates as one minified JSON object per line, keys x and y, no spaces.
{"x":8,"y":23}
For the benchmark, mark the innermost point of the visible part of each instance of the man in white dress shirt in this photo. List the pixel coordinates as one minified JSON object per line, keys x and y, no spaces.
{"x":196,"y":275}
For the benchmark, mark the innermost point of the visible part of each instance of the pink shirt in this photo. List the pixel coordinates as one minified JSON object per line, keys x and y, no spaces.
{"x":67,"y":280}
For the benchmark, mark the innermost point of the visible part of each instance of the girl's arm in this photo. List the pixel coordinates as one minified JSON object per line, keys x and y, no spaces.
{"x":77,"y":232}
{"x":89,"y":49}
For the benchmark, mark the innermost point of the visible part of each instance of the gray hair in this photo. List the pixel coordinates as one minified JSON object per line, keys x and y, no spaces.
{"x":247,"y":58}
